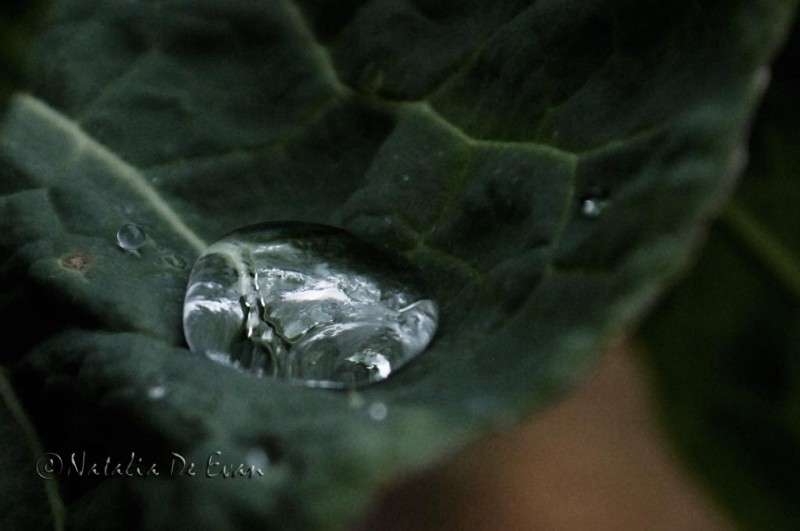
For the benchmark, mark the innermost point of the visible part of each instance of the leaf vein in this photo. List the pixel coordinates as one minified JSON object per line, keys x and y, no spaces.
{"x":428,"y":110}
{"x":118,"y":167}
{"x":14,"y":406}
{"x":319,"y":53}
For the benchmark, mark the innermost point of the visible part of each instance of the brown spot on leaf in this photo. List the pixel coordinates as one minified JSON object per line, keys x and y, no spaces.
{"x":77,"y":261}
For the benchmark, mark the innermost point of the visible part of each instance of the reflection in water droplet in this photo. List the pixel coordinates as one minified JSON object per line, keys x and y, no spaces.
{"x":172,"y":259}
{"x":594,"y":202}
{"x":131,"y":237}
{"x":378,"y":411}
{"x":257,"y":458}
{"x":308,"y":303}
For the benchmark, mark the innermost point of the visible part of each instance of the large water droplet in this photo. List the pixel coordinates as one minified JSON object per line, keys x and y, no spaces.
{"x":131,"y":237}
{"x":308,"y":303}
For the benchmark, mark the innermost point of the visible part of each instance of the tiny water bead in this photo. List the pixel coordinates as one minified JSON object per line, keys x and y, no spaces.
{"x":308,"y":303}
{"x":594,"y":202}
{"x":131,"y":237}
{"x":156,"y":392}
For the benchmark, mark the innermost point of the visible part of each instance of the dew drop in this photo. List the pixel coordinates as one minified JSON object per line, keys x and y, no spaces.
{"x":156,"y":392}
{"x":594,"y":202}
{"x":378,"y":411}
{"x":308,"y":303}
{"x":131,"y":237}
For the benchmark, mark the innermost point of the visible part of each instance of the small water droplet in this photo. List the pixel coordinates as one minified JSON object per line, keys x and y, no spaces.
{"x":156,"y":392}
{"x":406,"y":178}
{"x":131,"y":237}
{"x":257,"y":458}
{"x":308,"y":303}
{"x":594,"y":202}
{"x":378,"y":411}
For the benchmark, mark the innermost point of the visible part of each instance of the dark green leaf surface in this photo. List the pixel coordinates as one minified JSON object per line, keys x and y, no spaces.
{"x":734,"y":319}
{"x":24,"y":502}
{"x":18,"y":22}
{"x":464,"y":136}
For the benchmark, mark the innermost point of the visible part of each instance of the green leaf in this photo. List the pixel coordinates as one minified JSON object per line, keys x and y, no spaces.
{"x":465,"y":136}
{"x":28,"y":499}
{"x":734,"y":322}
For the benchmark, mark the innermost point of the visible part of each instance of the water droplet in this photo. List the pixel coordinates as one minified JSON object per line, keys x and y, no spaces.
{"x":378,"y":411}
{"x":594,"y":202}
{"x":308,"y":303}
{"x":156,"y":392}
{"x":131,"y":237}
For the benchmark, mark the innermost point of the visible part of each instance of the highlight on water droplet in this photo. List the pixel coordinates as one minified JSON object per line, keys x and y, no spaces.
{"x":131,"y":237}
{"x":594,"y":202}
{"x":308,"y":303}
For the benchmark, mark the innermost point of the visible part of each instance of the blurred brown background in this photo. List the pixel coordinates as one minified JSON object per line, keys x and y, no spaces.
{"x":599,"y":460}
